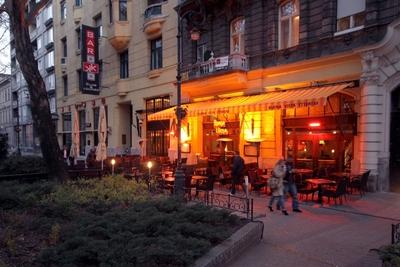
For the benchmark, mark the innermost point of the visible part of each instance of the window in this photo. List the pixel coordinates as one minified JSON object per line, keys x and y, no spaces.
{"x":350,"y":15}
{"x":237,"y":36}
{"x":79,"y":78}
{"x":49,"y":59}
{"x":82,"y":131}
{"x":39,"y":42}
{"x":50,"y":82}
{"x":40,"y":65}
{"x":63,"y":7}
{"x":110,"y":10}
{"x":157,"y":131}
{"x":48,"y":12}
{"x":67,"y":125}
{"x":78,"y":37}
{"x":124,"y":65}
{"x":52,"y":102}
{"x":64,"y":47}
{"x":98,"y":23}
{"x":201,"y":53}
{"x":123,"y":10}
{"x":78,"y":2}
{"x":289,"y":24}
{"x":65,"y":85}
{"x":156,"y":54}
{"x":48,"y":36}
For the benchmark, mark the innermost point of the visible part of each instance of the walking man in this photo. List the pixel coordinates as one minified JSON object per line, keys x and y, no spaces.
{"x":237,"y":171}
{"x":290,"y":185}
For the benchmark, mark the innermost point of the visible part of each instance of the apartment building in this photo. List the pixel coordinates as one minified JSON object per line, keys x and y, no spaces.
{"x":137,"y":62}
{"x":41,"y":34}
{"x":314,"y":80}
{"x":6,"y":123}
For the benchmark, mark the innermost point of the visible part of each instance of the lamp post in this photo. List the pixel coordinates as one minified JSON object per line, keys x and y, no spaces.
{"x":112,"y":166}
{"x":180,"y":113}
{"x":149,"y":166}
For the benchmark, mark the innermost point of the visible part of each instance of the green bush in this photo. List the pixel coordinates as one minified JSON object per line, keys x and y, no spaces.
{"x":390,"y":255}
{"x":151,"y":233}
{"x":23,"y":164}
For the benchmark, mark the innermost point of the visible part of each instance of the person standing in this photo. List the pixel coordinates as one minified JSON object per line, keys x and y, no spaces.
{"x":65,"y":153}
{"x":290,"y":185}
{"x":275,"y":183}
{"x":237,"y":171}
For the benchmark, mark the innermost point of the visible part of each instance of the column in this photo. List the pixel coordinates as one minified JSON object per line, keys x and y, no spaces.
{"x":371,"y":120}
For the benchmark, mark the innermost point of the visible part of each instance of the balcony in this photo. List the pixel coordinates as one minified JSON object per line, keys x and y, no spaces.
{"x":214,"y":66}
{"x":153,"y":20}
{"x":78,"y":14}
{"x":123,"y":87}
{"x":119,"y":35}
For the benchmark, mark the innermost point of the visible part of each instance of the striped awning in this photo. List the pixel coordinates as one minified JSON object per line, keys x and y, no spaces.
{"x":292,"y":98}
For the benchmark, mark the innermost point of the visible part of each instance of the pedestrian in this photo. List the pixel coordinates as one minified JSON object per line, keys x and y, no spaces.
{"x":275,"y":183}
{"x":237,"y":171}
{"x":65,"y":154}
{"x":290,"y":185}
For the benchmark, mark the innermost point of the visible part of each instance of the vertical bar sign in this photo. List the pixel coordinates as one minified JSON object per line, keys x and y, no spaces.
{"x":90,"y":60}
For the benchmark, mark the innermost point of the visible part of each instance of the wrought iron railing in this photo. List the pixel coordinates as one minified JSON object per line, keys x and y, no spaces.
{"x":154,"y":10}
{"x":224,"y":201}
{"x":396,"y":233}
{"x":214,"y":65}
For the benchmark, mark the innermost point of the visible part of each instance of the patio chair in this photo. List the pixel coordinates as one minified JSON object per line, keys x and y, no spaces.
{"x":360,"y":183}
{"x":339,"y":192}
{"x":304,"y":189}
{"x":256,"y":183}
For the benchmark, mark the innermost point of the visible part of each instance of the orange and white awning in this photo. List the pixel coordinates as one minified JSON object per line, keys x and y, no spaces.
{"x":295,"y":98}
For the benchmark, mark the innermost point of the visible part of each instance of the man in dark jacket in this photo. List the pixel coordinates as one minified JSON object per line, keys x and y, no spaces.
{"x":237,"y":171}
{"x":290,"y":185}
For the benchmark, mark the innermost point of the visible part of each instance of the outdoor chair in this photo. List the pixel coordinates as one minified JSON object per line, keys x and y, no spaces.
{"x":360,"y":183}
{"x":256,"y":183}
{"x":188,"y":187}
{"x":339,"y":192}
{"x":304,"y":189}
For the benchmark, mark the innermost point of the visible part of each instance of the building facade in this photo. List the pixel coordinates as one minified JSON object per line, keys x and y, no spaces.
{"x":313,"y":80}
{"x":6,"y":123}
{"x":41,"y":34}
{"x":137,"y":61}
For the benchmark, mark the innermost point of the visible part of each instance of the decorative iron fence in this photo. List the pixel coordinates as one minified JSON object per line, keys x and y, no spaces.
{"x":396,"y":233}
{"x":224,"y":201}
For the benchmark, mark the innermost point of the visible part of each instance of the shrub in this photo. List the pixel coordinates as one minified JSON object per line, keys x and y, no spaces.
{"x":23,"y":164}
{"x":390,"y":255}
{"x":150,"y":233}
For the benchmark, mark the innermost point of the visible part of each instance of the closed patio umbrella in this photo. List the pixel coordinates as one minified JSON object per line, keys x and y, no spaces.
{"x":101,"y":150}
{"x":74,"y":152}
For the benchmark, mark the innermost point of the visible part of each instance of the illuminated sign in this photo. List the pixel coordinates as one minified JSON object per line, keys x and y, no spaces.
{"x":90,"y":81}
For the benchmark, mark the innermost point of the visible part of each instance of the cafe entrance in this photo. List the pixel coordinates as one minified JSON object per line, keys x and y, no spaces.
{"x":318,"y":150}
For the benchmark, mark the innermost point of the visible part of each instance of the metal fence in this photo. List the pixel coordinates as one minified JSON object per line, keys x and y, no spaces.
{"x":396,"y":233}
{"x":224,"y":201}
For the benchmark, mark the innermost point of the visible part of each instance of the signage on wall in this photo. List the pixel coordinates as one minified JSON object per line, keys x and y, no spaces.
{"x":90,"y":83}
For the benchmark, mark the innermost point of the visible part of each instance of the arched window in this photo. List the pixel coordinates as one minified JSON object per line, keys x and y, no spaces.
{"x":289,"y":17}
{"x":237,"y":36}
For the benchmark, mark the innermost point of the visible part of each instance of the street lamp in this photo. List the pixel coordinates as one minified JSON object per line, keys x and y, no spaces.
{"x":112,"y":166}
{"x":180,"y":112}
{"x":149,"y":166}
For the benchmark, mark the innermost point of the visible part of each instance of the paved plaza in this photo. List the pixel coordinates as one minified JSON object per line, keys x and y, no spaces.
{"x":326,"y":235}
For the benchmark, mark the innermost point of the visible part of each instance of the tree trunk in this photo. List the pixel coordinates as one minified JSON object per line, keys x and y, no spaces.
{"x":39,"y":102}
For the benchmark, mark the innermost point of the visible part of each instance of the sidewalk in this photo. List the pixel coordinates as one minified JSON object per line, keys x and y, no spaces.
{"x":324,"y":235}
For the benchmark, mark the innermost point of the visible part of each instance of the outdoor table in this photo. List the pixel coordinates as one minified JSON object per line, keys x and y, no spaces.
{"x":169,"y":179}
{"x":302,"y":173}
{"x":199,"y":178}
{"x":320,"y":182}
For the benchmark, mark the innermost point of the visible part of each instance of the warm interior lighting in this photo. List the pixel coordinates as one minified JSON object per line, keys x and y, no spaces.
{"x":334,"y":132}
{"x":226,"y":148}
{"x":314,"y":124}
{"x":322,"y":142}
{"x":333,"y":151}
{"x":288,"y":133}
{"x":149,"y":164}
{"x":195,"y":34}
{"x":310,"y":132}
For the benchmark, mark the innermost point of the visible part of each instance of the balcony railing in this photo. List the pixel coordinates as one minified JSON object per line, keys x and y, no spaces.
{"x":152,"y":11}
{"x":216,"y":65}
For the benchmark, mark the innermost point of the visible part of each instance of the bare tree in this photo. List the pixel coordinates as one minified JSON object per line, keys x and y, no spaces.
{"x":19,"y":26}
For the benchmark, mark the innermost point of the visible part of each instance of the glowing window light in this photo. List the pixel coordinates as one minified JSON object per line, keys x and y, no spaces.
{"x":314,"y":124}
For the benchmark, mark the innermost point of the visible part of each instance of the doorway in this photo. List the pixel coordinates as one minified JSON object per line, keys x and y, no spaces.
{"x":395,"y":142}
{"x":319,"y":150}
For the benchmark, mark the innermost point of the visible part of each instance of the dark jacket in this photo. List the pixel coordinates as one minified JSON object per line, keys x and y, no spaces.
{"x":289,"y":173}
{"x":238,"y":166}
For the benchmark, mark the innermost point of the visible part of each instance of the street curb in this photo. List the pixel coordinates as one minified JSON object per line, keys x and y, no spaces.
{"x":243,"y":238}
